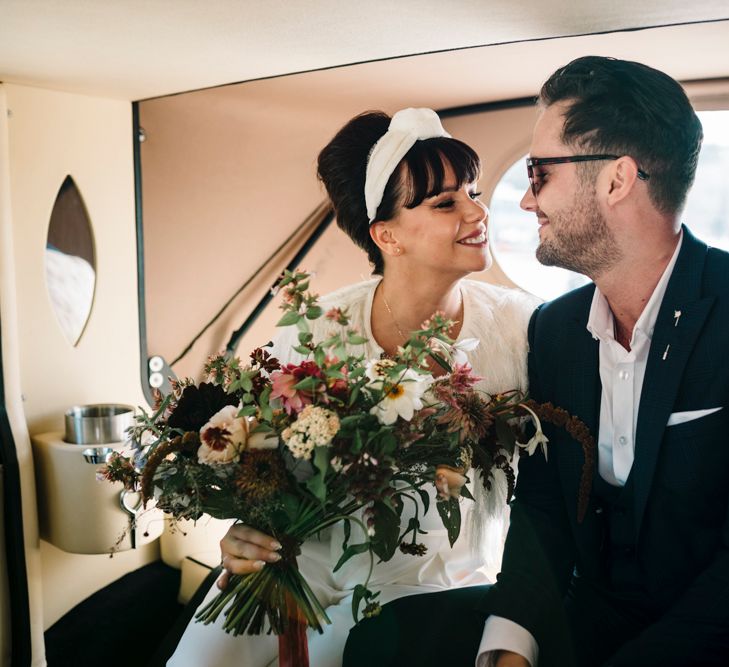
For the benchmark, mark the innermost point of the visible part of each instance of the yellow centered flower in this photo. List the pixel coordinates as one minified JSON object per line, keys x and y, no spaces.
{"x":401,"y":396}
{"x":395,"y":391}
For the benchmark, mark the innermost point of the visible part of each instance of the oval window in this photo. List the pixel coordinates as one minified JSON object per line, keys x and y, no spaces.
{"x":70,"y":261}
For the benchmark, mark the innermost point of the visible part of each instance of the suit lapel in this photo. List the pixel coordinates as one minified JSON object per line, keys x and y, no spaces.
{"x":584,"y":390}
{"x":680,"y":320}
{"x":585,"y":381}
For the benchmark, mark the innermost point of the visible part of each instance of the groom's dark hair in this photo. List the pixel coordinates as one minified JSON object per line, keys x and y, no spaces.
{"x":626,"y":108}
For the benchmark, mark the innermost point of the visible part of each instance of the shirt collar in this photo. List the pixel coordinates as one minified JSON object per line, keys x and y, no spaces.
{"x":600,"y":323}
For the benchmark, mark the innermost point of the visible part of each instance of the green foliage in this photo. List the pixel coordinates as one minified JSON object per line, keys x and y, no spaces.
{"x":317,"y":483}
{"x":264,"y":405}
{"x":360,"y":594}
{"x":313,"y":312}
{"x":309,"y":383}
{"x":450,"y":513}
{"x":424,"y":499}
{"x":387,"y":530}
{"x":289,"y":319}
{"x":351,"y":550}
{"x":355,"y":338}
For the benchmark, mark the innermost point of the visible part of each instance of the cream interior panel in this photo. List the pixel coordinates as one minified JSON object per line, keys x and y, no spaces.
{"x":13,"y":400}
{"x":5,"y":647}
{"x":53,"y":134}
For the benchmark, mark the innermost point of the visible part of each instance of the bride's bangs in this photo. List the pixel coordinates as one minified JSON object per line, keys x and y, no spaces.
{"x":426,"y":167}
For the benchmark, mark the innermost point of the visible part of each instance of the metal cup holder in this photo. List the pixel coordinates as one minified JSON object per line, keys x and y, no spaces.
{"x":98,"y":424}
{"x":77,"y":512}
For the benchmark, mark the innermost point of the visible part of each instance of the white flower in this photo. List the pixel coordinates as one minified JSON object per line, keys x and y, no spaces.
{"x":538,"y":439}
{"x":314,"y":427}
{"x":456,"y":352}
{"x":401,"y":397}
{"x":223,"y":437}
{"x":300,"y":447}
{"x":377,"y":370}
{"x":461,"y":347}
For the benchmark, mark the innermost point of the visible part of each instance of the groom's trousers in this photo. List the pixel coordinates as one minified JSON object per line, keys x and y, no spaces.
{"x":445,"y":629}
{"x":440,"y":629}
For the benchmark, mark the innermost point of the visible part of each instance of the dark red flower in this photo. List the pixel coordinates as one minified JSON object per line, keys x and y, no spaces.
{"x":197,"y":404}
{"x":216,"y":438}
{"x":304,"y":369}
{"x":263,"y":359}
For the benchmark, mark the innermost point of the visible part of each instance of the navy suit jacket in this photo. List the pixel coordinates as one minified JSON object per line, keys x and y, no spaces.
{"x":680,"y":475}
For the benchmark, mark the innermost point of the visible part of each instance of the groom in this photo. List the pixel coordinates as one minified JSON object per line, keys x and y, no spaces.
{"x":642,"y":357}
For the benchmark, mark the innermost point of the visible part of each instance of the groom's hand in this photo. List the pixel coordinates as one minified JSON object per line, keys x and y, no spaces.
{"x":509,"y":659}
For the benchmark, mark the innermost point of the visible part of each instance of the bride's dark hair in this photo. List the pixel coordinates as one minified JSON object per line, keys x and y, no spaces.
{"x":342,"y":167}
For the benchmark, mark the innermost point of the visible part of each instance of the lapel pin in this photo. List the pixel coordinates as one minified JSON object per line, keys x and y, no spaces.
{"x":665,"y":352}
{"x":676,"y":316}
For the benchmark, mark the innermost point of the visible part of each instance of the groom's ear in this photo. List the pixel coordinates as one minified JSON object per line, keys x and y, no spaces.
{"x":622,"y":179}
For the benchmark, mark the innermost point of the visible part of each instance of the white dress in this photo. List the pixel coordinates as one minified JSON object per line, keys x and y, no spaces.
{"x":498,"y":318}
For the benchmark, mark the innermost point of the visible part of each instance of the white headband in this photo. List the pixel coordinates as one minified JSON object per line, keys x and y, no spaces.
{"x":406,"y":127}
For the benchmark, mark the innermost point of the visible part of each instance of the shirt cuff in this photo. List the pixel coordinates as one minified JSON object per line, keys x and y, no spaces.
{"x":501,"y":634}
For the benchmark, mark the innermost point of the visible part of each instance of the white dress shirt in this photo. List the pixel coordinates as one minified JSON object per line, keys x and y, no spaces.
{"x":621,"y":375}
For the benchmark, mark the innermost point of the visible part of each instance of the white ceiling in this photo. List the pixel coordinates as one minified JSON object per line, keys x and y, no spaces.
{"x":136,"y":49}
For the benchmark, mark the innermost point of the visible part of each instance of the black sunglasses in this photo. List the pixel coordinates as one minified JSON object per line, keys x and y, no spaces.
{"x":535,"y":176}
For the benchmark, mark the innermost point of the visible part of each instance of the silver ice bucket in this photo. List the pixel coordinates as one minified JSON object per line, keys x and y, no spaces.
{"x":98,"y":424}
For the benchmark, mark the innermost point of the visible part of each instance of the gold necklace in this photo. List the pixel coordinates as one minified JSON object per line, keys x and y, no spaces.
{"x":392,"y":317}
{"x":394,"y":321}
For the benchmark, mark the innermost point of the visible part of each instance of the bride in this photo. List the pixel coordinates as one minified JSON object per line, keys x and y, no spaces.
{"x":405,"y":192}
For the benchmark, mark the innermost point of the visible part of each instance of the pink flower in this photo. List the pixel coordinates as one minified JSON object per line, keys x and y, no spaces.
{"x":459,"y":382}
{"x":462,"y":378}
{"x":337,"y":315}
{"x":283,"y":388}
{"x":283,"y":381}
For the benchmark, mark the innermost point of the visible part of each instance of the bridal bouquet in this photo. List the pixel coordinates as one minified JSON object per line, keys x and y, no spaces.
{"x":291,"y":449}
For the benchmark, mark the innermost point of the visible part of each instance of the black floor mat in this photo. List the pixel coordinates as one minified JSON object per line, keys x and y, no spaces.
{"x":121,"y":625}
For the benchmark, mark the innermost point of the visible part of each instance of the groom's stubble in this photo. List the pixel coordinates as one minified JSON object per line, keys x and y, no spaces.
{"x":580,"y":238}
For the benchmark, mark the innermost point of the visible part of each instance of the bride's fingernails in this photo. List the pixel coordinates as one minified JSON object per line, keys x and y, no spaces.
{"x":258,"y":565}
{"x":274,"y":558}
{"x":276,"y":546}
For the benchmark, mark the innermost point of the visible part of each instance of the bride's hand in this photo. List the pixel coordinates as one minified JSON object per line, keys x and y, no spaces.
{"x":246,"y":550}
{"x":449,"y":481}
